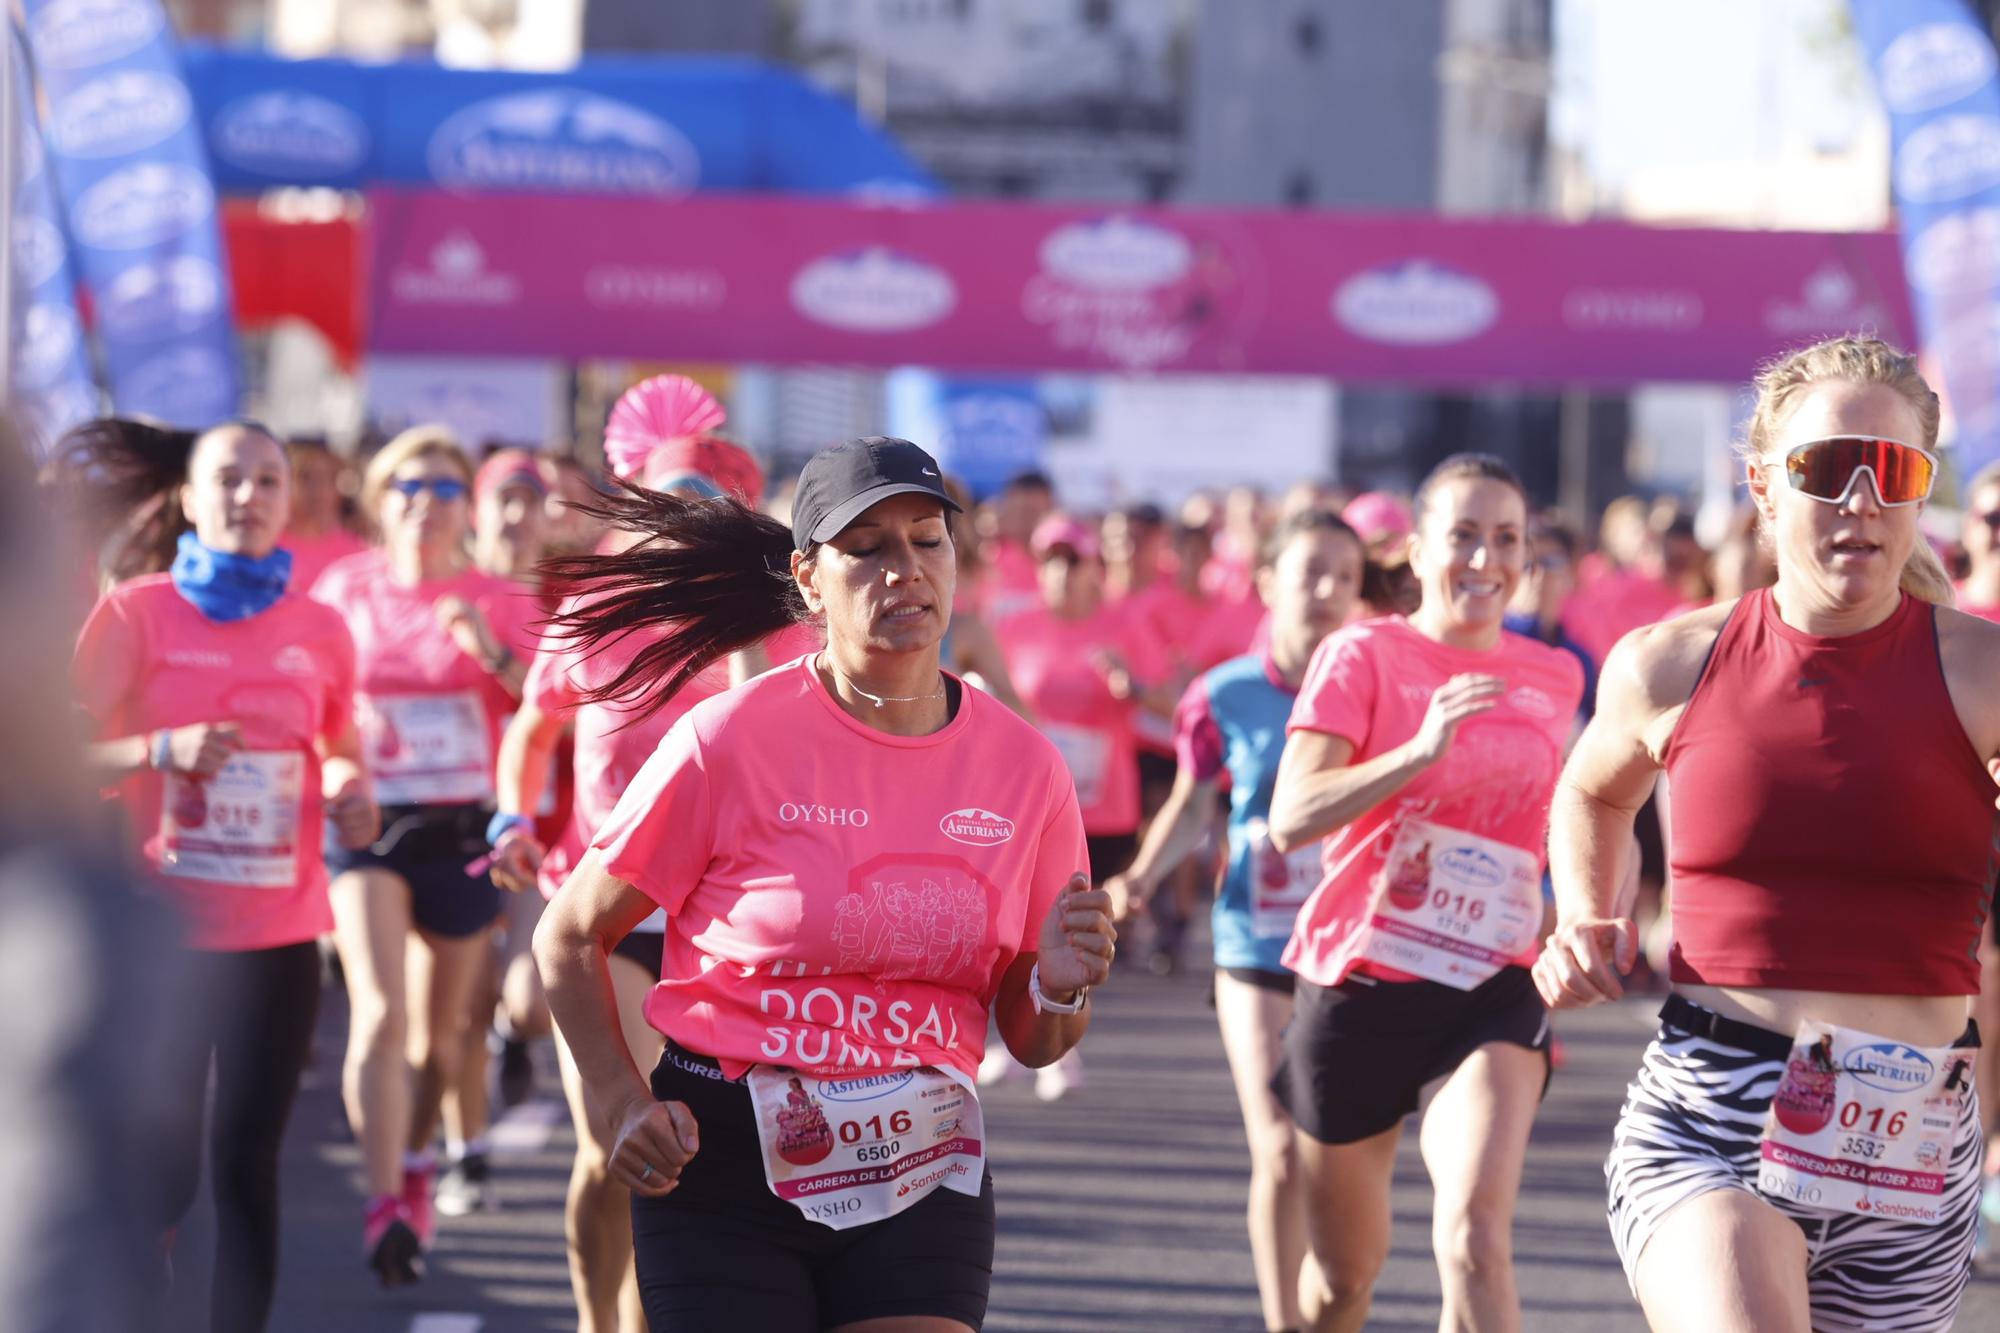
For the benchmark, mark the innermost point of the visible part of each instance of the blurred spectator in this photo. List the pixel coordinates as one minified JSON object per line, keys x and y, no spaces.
{"x":1383,"y":520}
{"x":1012,"y":517}
{"x":319,"y":531}
{"x":1542,"y":595}
{"x":970,"y":648}
{"x":1682,"y":561}
{"x":1135,"y":549}
{"x":1741,"y":563}
{"x":1979,"y":594}
{"x":1239,"y":542}
{"x":571,"y":531}
{"x":510,"y":516}
{"x":1626,"y":585}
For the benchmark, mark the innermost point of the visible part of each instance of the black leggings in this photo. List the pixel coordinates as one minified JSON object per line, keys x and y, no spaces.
{"x":254,"y":1012}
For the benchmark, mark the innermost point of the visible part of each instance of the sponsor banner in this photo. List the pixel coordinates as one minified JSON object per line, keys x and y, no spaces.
{"x":1013,"y":288}
{"x":1935,"y":68}
{"x":126,"y":150}
{"x":50,"y":382}
{"x":654,"y":128}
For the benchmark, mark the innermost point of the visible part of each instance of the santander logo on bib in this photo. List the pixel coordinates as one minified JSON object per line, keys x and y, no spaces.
{"x":976,"y":828}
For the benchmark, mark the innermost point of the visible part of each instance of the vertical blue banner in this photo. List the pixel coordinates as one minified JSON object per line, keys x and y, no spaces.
{"x":136,"y":188}
{"x":50,"y":379}
{"x":990,"y":430}
{"x":1935,"y":67}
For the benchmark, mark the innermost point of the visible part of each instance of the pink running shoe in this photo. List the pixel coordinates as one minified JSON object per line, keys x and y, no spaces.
{"x":390,"y":1243}
{"x":419,"y":1194}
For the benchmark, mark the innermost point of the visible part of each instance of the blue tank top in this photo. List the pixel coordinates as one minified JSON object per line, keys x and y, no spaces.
{"x":1233,"y":719}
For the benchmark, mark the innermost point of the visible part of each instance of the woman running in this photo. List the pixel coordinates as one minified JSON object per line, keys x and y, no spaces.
{"x":1979,"y":595}
{"x":1086,"y":670}
{"x":1424,"y":749}
{"x":1801,"y":1149}
{"x":612,"y":744}
{"x":224,"y":706}
{"x":1231,"y":722}
{"x":859,"y":859}
{"x":441,"y":650}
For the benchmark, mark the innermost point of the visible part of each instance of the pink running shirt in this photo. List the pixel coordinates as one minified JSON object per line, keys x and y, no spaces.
{"x":238,"y":854}
{"x":838,"y":899}
{"x":1053,"y":665}
{"x":1371,"y":684}
{"x":609,"y":753}
{"x":312,"y":555}
{"x":430,"y":715}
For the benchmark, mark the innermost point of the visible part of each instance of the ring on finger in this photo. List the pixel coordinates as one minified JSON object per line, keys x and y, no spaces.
{"x":645,"y":1172}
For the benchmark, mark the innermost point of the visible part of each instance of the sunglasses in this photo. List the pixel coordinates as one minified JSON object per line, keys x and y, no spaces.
{"x":1992,"y":521}
{"x":444,"y":488}
{"x":1828,"y":470}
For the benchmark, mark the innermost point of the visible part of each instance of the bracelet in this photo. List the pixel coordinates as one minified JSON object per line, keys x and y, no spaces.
{"x":1044,"y":1005}
{"x":504,"y":823}
{"x":161,"y":755}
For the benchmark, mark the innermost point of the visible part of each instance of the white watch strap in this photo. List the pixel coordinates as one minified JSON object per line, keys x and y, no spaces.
{"x":1043,"y":1004}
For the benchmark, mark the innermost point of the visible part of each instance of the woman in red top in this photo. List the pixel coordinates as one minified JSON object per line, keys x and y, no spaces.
{"x":1801,"y":1149}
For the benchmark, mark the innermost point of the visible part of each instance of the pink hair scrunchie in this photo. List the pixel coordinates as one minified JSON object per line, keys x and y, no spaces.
{"x":653,"y":412}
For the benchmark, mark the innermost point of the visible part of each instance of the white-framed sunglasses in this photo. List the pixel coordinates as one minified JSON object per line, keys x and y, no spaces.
{"x":1827,"y":470}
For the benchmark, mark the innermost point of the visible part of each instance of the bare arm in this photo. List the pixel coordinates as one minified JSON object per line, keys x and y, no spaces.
{"x":1645,"y":684}
{"x":1320,"y":790}
{"x":349,"y":796}
{"x":582,"y":923}
{"x":1074,"y":951}
{"x":525,"y":751}
{"x":976,"y":648}
{"x":200,"y":748}
{"x":1177,"y":830}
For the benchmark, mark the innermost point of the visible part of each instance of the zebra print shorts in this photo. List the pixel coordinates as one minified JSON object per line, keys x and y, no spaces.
{"x":1693,"y":1122}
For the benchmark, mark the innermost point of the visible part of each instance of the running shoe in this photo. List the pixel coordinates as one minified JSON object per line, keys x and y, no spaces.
{"x":1057,"y":1081}
{"x":390,"y":1243}
{"x":517,"y":1068}
{"x":999,"y":1065}
{"x":466,"y":1187}
{"x":419,"y":1192}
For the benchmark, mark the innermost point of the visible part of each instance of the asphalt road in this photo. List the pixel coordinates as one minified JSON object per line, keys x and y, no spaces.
{"x":1120,"y":1207}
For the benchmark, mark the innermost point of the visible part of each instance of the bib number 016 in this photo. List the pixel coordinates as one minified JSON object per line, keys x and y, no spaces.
{"x":853,"y":1131}
{"x":1852,"y":1115}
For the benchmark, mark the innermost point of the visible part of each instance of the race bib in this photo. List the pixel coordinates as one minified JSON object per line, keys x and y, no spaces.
{"x":238,"y":827}
{"x":1088,"y":755}
{"x":1280,"y":882}
{"x":427,"y":749}
{"x":1452,"y":906}
{"x":1861,"y":1124}
{"x":853,"y":1150}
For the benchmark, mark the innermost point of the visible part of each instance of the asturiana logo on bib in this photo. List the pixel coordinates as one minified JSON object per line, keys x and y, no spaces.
{"x":1890,"y":1067}
{"x":1469,"y":865}
{"x":976,"y":828}
{"x":280,"y":133}
{"x":865,"y":1088}
{"x":563,"y":139}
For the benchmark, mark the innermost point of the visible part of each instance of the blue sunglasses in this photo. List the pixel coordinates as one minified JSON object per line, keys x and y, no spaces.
{"x":444,"y":488}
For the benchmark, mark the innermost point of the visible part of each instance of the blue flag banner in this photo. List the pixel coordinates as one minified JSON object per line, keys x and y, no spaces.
{"x":612,"y":125}
{"x":1936,"y":70}
{"x":135,"y":184}
{"x":50,"y":382}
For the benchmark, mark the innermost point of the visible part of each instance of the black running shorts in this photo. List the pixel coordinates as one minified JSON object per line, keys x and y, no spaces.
{"x":723,"y":1252}
{"x":1358,"y":1056}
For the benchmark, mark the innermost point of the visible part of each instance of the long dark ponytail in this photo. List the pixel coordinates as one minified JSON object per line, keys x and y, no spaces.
{"x":119,"y":479}
{"x":714,"y":573}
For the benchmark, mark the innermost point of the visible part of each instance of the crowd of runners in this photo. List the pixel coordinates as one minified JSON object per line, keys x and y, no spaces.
{"x":796,"y":810}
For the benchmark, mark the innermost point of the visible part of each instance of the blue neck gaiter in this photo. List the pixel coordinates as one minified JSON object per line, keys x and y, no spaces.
{"x":226,"y":587}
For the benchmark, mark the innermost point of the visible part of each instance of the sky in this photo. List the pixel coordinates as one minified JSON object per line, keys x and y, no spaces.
{"x":1641,"y":84}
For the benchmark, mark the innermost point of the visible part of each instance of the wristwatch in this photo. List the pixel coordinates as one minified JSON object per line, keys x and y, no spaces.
{"x":161,"y":756}
{"x":1044,"y":1005}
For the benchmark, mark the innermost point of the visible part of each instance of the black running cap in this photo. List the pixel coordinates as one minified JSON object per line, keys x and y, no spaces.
{"x":838,"y":484}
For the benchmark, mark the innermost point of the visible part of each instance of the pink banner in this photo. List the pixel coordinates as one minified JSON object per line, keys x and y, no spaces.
{"x":1417,"y":300}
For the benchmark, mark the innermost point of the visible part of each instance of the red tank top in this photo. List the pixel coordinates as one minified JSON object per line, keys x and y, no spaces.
{"x":1832,"y":827}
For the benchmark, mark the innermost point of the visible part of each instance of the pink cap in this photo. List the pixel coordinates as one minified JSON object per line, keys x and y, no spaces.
{"x":507,"y":467}
{"x":652,"y":412}
{"x":1378,"y":516}
{"x":1062,"y":530}
{"x":687,"y":463}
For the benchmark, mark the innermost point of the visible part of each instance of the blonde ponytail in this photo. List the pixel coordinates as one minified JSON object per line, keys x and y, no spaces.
{"x":1924,"y":576}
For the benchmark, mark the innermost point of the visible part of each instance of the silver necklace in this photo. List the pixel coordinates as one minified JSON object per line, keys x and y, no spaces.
{"x":881,"y":699}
